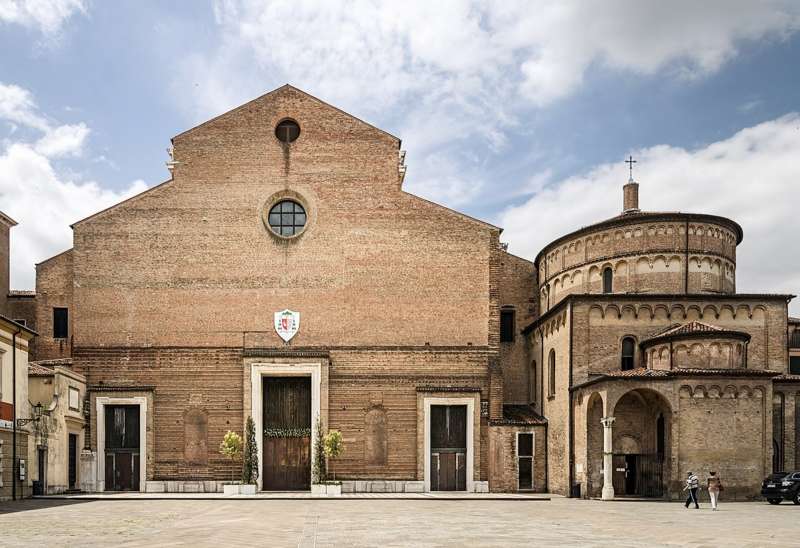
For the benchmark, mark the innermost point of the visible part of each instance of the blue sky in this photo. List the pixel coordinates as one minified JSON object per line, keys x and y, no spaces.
{"x":519,"y":113}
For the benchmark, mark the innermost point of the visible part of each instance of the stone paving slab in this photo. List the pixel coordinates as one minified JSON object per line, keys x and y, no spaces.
{"x":395,"y":522}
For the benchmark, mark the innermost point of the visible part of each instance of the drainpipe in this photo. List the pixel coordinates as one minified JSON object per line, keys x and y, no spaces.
{"x":14,"y":464}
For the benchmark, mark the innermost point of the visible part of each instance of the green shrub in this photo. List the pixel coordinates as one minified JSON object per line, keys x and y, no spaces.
{"x":250,"y":464}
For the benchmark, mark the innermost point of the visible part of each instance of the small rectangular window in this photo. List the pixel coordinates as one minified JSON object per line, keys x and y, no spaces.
{"x":525,"y":460}
{"x":794,"y":365}
{"x":60,"y":323}
{"x":506,"y":326}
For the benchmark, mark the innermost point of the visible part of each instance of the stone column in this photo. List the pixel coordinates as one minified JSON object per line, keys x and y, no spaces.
{"x":608,"y":458}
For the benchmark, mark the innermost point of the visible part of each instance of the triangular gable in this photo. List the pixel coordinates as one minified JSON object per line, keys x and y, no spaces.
{"x":282,"y":89}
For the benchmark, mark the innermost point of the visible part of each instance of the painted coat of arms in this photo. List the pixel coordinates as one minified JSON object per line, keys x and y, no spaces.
{"x":287,"y":324}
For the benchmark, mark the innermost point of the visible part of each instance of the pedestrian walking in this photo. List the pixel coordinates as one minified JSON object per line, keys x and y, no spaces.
{"x":714,"y":488}
{"x":692,"y":484}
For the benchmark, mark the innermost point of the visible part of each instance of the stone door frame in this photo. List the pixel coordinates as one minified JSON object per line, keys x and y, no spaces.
{"x":258,"y":370}
{"x":470,"y":403}
{"x":101,"y":402}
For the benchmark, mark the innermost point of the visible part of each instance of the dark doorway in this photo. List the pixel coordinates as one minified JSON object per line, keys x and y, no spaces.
{"x":448,"y":447}
{"x":630,"y":474}
{"x":524,"y":461}
{"x":287,"y":433}
{"x":73,"y":462}
{"x":122,"y":448}
{"x":40,"y":486}
{"x":638,"y":475}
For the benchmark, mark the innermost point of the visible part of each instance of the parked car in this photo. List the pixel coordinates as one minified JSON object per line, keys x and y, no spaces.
{"x":781,"y":486}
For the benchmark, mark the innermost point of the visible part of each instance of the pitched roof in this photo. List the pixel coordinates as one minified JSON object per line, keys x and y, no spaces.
{"x":66,"y":362}
{"x":37,"y":370}
{"x":644,"y":373}
{"x":519,"y":415}
{"x":7,"y":220}
{"x":18,"y":327}
{"x":693,"y":329}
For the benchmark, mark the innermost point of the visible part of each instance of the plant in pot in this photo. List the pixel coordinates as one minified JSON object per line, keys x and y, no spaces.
{"x":250,"y":460}
{"x":231,"y":448}
{"x":333,"y":447}
{"x":319,"y":468}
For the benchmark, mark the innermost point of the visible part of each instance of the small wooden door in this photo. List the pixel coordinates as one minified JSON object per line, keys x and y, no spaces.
{"x":73,"y":461}
{"x":287,"y":433}
{"x":448,"y":447}
{"x":122,"y":447}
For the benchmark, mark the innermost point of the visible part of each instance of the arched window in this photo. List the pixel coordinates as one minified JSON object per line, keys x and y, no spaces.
{"x":608,"y":280}
{"x":628,"y":350}
{"x":551,"y":386}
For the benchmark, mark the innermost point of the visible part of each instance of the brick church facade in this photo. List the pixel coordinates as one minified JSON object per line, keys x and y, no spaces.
{"x":282,"y":273}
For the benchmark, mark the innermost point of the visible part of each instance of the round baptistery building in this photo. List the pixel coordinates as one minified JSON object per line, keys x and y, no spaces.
{"x":641,"y":252}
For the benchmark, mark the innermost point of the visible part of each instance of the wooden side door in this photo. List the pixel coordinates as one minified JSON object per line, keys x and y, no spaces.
{"x":73,"y":461}
{"x":448,"y":448}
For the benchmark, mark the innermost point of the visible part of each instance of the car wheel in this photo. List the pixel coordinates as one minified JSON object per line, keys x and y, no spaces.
{"x":774,"y":501}
{"x":796,"y":498}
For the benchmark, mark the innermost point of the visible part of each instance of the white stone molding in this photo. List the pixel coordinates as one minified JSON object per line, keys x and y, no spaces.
{"x":470,"y":403}
{"x":101,"y":402}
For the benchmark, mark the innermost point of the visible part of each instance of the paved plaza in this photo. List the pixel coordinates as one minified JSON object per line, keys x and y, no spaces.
{"x":393,"y":522}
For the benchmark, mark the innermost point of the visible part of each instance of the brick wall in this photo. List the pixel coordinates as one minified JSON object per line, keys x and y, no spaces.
{"x":647,"y":254}
{"x":517,"y":292}
{"x":191,"y":263}
{"x":54,"y":288}
{"x":602,"y":325}
{"x":503,"y":476}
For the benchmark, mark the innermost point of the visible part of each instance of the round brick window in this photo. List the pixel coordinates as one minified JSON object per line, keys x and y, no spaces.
{"x":287,"y":131}
{"x":287,"y":218}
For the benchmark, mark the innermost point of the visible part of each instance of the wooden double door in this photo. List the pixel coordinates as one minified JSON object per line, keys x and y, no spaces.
{"x":122,"y":448}
{"x":448,"y":448}
{"x":287,"y":433}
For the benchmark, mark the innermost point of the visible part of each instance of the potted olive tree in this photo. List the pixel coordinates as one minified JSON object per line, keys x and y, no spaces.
{"x":334,"y":445}
{"x":250,"y":460}
{"x":231,"y":448}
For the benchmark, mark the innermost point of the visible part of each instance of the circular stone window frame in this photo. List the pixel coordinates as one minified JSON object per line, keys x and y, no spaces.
{"x":287,"y":119}
{"x":283,"y":196}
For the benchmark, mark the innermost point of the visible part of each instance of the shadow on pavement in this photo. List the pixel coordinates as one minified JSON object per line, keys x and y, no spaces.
{"x":12,"y":506}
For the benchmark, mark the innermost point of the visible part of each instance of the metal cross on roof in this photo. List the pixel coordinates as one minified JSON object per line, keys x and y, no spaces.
{"x":630,"y":161}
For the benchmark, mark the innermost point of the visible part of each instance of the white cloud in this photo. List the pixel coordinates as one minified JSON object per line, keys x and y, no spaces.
{"x":66,"y":140}
{"x":48,"y":16}
{"x":41,"y":199}
{"x":17,"y":105}
{"x":459,"y":70}
{"x":381,"y":52}
{"x":752,"y":177}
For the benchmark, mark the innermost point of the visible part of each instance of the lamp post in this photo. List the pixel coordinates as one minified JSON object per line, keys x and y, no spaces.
{"x":37,"y":416}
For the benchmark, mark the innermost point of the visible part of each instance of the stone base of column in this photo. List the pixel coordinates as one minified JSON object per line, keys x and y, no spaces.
{"x":608,"y":492}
